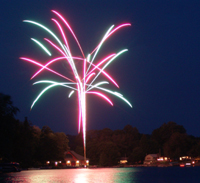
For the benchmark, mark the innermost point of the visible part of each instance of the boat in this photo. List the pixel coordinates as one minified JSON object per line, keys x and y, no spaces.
{"x":9,"y":167}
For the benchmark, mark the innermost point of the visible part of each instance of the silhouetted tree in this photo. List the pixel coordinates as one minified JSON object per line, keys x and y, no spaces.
{"x":6,"y":106}
{"x":109,"y":154}
{"x":162,"y":134}
{"x":178,"y":145}
{"x":7,"y":126}
{"x":137,"y":156}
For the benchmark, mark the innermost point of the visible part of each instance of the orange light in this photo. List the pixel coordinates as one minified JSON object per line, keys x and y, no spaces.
{"x":123,"y":161}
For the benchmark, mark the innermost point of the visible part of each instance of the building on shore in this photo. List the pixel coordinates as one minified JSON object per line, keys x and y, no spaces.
{"x":73,"y":159}
{"x":151,"y":159}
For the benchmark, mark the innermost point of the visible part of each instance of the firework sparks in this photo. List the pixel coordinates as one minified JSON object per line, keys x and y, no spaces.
{"x":81,"y":83}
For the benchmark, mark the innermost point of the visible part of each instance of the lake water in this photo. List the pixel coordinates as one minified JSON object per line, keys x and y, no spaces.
{"x":107,"y":175}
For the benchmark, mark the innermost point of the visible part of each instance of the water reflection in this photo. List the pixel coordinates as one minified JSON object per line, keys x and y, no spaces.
{"x":101,"y":175}
{"x":106,"y":175}
{"x":95,"y":175}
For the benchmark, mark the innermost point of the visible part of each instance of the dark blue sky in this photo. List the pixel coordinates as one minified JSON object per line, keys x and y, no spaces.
{"x":159,"y":74}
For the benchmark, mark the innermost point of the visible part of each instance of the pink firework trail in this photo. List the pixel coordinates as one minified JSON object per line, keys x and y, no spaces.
{"x":84,"y":83}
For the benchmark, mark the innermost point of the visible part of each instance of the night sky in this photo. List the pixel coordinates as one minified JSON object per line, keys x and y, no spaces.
{"x":159,"y":75}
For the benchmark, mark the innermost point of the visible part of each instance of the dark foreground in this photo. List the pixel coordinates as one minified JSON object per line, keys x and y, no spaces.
{"x":107,"y":175}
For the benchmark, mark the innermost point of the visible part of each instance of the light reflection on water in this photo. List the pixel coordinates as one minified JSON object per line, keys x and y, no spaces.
{"x":106,"y":175}
{"x":97,"y":175}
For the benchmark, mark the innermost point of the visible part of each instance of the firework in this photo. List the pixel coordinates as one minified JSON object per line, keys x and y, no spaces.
{"x":83,"y":82}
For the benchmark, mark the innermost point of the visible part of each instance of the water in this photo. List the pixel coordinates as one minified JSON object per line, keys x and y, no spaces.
{"x":107,"y":175}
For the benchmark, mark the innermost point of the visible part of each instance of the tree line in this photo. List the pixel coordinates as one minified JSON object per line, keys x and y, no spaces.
{"x":31,"y":146}
{"x":27,"y":144}
{"x":106,"y":147}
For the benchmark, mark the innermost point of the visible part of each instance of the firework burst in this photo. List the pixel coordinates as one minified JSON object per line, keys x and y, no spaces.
{"x":83,"y":81}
